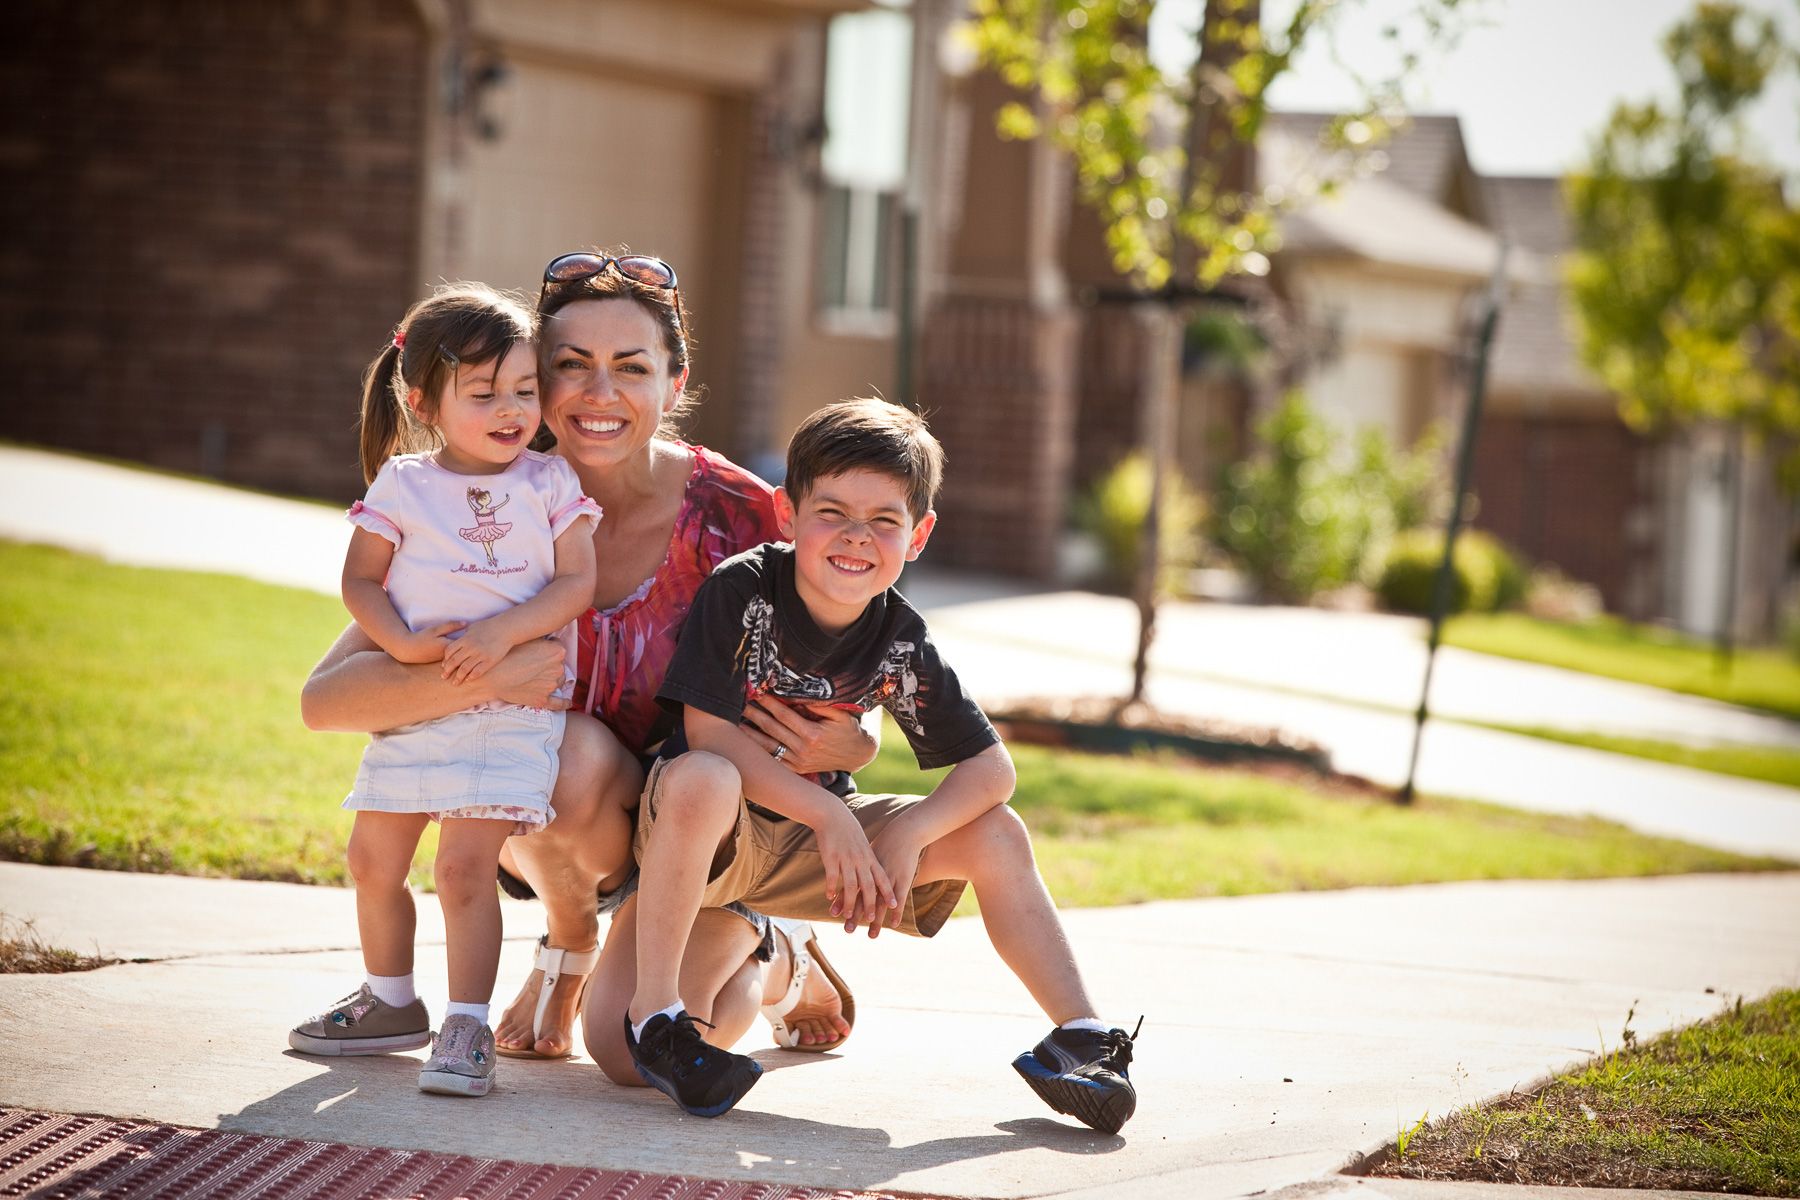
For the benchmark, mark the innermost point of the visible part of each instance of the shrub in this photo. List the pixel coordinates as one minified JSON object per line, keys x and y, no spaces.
{"x":1297,"y":521}
{"x":1485,"y":575}
{"x":1552,"y":596}
{"x":1114,"y":511}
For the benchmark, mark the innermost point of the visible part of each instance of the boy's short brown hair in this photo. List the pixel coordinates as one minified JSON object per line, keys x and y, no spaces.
{"x":867,"y":434}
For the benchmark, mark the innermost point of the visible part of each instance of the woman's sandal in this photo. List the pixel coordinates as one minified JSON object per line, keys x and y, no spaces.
{"x":803,"y":949}
{"x":554,"y":962}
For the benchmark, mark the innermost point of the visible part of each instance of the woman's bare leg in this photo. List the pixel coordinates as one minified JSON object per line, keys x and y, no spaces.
{"x":819,"y":1017}
{"x":721,"y":982}
{"x":586,"y":848}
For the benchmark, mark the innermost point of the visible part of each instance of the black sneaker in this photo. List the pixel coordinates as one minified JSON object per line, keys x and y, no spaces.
{"x":675,"y":1060}
{"x":1083,"y":1072}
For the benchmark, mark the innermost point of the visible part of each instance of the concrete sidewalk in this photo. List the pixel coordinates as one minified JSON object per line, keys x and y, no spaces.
{"x":1282,"y":1034}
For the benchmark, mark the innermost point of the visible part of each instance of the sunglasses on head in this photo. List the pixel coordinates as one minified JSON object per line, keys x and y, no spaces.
{"x":585,"y":264}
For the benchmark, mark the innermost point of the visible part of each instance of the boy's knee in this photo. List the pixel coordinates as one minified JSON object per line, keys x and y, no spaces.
{"x":698,"y":787}
{"x":1003,"y":825}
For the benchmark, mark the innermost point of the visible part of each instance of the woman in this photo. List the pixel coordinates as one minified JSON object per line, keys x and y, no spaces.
{"x":613,"y":365}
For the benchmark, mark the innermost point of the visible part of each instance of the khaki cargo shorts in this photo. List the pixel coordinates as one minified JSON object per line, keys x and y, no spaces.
{"x":773,"y":865}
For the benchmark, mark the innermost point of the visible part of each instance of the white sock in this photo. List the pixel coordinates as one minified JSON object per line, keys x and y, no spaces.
{"x":671,"y":1012}
{"x":396,"y":990}
{"x":456,"y":1008}
{"x":1093,"y":1023}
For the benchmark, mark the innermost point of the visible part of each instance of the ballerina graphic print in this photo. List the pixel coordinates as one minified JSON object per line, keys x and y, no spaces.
{"x":486,"y":530}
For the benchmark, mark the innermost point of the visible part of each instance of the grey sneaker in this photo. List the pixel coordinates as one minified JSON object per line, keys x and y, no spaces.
{"x":462,"y":1060}
{"x":361,"y":1023}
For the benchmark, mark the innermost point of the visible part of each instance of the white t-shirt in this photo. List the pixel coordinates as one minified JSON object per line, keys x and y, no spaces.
{"x":467,"y":547}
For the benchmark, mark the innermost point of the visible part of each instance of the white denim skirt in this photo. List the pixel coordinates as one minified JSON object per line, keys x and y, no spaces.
{"x":491,"y":763}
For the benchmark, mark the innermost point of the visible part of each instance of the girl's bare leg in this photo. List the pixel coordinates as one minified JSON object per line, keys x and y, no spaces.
{"x":379,"y":857}
{"x":467,"y":851}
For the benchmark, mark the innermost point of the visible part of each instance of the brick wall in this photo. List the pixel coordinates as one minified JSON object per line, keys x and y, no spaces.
{"x":998,"y":375}
{"x":1575,"y":492}
{"x":1110,"y":373}
{"x":211,"y":216}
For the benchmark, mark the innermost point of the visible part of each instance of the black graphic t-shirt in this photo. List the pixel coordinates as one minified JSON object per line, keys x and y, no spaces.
{"x":749,"y":634}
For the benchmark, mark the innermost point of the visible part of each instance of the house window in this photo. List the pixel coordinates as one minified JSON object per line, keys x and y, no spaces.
{"x":857,"y":251}
{"x":868,"y":71}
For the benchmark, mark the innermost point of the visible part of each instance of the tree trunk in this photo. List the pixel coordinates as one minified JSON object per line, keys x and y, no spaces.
{"x":1161,"y":323}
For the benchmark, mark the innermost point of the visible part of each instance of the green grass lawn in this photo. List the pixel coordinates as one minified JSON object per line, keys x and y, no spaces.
{"x":1711,"y":1108}
{"x":1771,"y":764}
{"x":1758,"y":678}
{"x":149,"y":720}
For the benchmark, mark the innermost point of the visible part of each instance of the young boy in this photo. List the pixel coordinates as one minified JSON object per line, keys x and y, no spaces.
{"x":818,"y":622}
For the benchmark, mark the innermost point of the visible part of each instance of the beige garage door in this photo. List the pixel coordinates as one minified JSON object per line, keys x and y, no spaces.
{"x":585,"y":159}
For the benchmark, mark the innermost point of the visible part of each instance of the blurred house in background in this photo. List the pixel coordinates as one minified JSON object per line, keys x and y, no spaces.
{"x":216,"y":212}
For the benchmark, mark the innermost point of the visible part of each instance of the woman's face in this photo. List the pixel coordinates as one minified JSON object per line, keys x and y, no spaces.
{"x":606,"y":380}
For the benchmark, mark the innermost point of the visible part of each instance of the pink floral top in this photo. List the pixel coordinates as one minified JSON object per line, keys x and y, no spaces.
{"x":624,"y":652}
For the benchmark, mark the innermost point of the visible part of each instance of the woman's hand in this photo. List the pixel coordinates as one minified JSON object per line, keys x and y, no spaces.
{"x":817,"y":737}
{"x":529,"y":676}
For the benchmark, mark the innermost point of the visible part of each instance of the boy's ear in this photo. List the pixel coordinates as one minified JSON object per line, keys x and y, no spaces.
{"x":921,"y":534}
{"x":784,"y":512}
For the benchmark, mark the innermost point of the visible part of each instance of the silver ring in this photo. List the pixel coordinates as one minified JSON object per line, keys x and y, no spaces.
{"x":780,"y":751}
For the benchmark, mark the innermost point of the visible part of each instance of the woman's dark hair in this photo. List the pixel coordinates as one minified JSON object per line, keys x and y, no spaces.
{"x":460,"y":324}
{"x":663,"y":304}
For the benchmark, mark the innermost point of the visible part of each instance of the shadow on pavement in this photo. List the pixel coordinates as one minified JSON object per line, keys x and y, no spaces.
{"x":569,"y":1114}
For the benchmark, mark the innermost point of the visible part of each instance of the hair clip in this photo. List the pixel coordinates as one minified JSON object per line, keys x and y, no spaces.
{"x":399,"y":339}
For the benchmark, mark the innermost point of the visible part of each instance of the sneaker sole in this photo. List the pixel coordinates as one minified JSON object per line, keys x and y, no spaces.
{"x":719,"y":1109}
{"x":1100,"y":1108}
{"x":346,"y":1047}
{"x":449,"y":1083}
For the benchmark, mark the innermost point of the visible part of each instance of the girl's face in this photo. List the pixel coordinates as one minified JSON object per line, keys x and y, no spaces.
{"x":606,"y":380}
{"x":488,"y":413}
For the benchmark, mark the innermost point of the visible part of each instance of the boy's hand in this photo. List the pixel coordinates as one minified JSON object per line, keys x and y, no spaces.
{"x":899,"y":855}
{"x":477,"y":650}
{"x":427,"y":645}
{"x":855,"y":881}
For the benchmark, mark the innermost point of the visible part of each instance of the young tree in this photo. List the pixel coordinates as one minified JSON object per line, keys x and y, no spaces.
{"x":1164,"y":160}
{"x":1686,"y":276}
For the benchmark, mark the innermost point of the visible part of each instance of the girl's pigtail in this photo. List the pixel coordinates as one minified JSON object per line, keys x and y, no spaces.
{"x":379,"y":429}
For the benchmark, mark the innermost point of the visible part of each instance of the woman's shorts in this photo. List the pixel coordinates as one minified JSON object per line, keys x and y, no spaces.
{"x":493,"y":763}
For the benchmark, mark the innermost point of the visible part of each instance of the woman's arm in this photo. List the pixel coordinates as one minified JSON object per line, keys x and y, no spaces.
{"x":356,"y":688}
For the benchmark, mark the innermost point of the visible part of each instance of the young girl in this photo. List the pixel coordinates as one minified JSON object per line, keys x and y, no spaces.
{"x":428,"y":586}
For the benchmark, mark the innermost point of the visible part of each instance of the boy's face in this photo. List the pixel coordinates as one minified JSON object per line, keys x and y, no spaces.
{"x":852,"y":534}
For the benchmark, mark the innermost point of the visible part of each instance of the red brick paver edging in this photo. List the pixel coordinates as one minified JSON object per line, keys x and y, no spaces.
{"x":56,"y":1155}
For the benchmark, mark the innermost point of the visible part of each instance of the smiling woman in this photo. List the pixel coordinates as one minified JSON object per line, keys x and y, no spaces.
{"x":613,"y":363}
